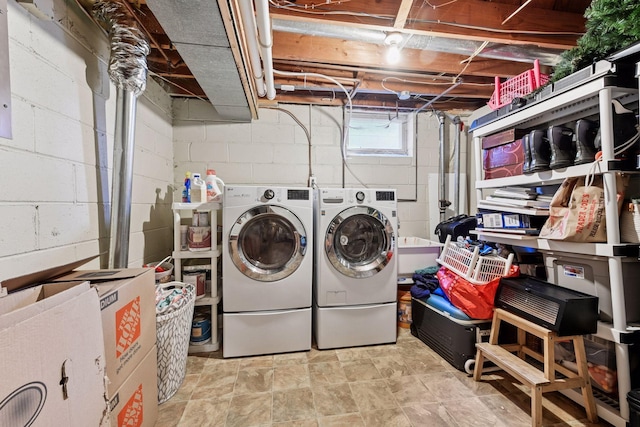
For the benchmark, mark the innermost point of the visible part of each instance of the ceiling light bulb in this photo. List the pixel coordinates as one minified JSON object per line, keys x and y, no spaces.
{"x":393,"y":54}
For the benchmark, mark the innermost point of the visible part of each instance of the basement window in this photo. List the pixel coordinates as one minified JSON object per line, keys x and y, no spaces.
{"x":380,"y":133}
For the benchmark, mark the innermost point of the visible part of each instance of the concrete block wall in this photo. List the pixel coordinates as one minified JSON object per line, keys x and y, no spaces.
{"x":56,"y":174}
{"x":274,"y":149}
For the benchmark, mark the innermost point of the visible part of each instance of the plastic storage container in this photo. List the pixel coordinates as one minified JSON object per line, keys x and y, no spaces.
{"x":415,"y":253}
{"x":471,"y":266}
{"x":590,"y":275}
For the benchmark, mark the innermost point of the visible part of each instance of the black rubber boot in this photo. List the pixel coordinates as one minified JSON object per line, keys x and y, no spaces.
{"x":624,"y":131}
{"x":561,"y":143}
{"x":540,"y":150}
{"x":526,"y":167}
{"x":586,"y":132}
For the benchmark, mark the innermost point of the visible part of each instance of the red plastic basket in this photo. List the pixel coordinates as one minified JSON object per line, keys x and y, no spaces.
{"x":517,"y":86}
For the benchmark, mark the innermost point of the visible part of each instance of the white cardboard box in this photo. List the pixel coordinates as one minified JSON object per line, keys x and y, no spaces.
{"x":135,"y":403}
{"x":128,"y":307}
{"x":51,"y":354}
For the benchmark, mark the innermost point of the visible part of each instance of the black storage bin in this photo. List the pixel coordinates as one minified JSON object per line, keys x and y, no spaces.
{"x":633,"y":397}
{"x":453,"y":339}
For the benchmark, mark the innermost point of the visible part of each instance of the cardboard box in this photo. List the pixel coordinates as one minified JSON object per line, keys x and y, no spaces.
{"x":135,"y":403}
{"x":503,"y":155}
{"x":52,"y":354}
{"x":128,"y":307}
{"x":504,"y":171}
{"x":501,"y":138}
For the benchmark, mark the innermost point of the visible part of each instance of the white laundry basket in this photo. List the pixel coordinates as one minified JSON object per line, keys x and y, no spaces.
{"x":173,"y":330}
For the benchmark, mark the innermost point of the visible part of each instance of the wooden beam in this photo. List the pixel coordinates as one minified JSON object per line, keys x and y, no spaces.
{"x":371,"y":102}
{"x":465,"y":19}
{"x":378,"y":85}
{"x":403,"y":13}
{"x":322,"y":50}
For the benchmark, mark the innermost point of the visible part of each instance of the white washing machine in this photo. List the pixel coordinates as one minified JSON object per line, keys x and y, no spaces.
{"x":355,"y":278}
{"x":267,"y":268}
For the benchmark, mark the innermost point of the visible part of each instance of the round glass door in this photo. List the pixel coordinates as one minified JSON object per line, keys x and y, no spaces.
{"x":359,"y":242}
{"x":267,"y":243}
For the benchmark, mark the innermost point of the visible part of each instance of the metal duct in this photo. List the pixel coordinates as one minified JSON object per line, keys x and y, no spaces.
{"x":423,"y":42}
{"x":128,"y":71}
{"x":198,"y":32}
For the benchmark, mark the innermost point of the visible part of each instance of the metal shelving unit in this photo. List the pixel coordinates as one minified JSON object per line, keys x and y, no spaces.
{"x":592,"y":99}
{"x":213,"y":296}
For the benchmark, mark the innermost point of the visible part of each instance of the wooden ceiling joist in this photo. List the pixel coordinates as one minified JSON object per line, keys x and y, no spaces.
{"x":463,"y":19}
{"x":322,"y":50}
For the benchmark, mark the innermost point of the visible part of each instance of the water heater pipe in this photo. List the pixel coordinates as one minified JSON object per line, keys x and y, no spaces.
{"x":442,"y":201}
{"x":456,"y":166}
{"x":266,"y":43}
{"x":249,"y":21}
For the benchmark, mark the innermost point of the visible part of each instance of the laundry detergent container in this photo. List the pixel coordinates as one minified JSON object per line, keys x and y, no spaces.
{"x":415,"y":253}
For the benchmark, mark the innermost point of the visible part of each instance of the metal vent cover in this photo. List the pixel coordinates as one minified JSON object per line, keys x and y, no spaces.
{"x":536,"y":306}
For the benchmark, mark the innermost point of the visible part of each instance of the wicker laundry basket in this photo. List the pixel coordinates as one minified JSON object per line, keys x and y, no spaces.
{"x":172,"y":334}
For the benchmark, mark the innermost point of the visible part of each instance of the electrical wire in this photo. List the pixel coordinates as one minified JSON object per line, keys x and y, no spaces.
{"x":439,"y":5}
{"x":177,"y":85}
{"x":345,"y":124}
{"x":473,"y":55}
{"x":304,"y":128}
{"x":495,"y":30}
{"x":296,"y":8}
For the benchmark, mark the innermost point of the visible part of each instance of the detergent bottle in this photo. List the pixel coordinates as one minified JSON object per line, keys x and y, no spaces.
{"x":186,"y":191}
{"x":198,"y":189}
{"x":214,"y":192}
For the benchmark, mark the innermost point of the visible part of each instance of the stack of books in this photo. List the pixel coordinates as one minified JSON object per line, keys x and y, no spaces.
{"x":514,"y":211}
{"x":516,"y":197}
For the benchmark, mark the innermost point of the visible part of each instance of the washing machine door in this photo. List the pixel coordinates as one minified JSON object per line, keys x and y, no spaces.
{"x":360,"y":242}
{"x":267,"y":243}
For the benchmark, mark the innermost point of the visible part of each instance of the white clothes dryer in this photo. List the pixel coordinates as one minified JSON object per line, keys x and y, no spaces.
{"x":267,"y":268}
{"x":355,"y":280}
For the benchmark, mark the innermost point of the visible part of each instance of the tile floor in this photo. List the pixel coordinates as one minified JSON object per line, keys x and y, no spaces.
{"x":403,"y":384}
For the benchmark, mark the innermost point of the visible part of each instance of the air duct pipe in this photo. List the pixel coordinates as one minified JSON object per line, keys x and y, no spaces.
{"x":248,"y":18}
{"x":266,"y":43}
{"x":456,"y":166}
{"x":128,"y":71}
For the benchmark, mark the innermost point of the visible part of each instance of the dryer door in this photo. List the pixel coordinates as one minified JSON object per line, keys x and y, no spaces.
{"x":267,"y":243}
{"x":359,"y":241}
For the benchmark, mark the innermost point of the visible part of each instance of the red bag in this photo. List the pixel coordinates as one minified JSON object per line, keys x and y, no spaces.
{"x":476,"y":301}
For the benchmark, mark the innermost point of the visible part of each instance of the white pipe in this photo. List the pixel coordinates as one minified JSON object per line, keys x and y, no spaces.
{"x":442,"y":202}
{"x":456,"y":166}
{"x":266,"y":43}
{"x":249,"y":21}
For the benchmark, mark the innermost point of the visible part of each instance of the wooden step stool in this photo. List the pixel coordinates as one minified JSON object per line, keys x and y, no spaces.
{"x":539,"y":381}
